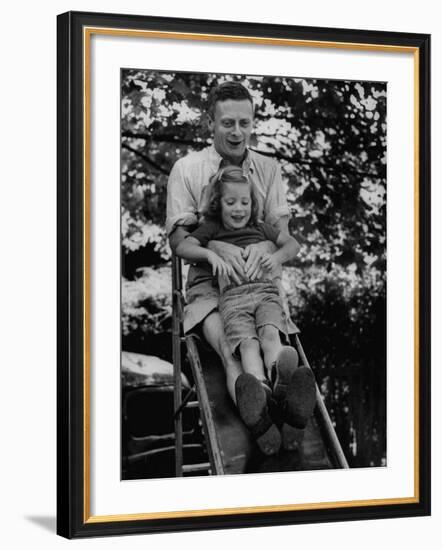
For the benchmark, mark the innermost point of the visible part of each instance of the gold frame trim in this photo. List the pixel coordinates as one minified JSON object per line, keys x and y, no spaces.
{"x":87,"y":33}
{"x":416,"y":275}
{"x":86,"y":282}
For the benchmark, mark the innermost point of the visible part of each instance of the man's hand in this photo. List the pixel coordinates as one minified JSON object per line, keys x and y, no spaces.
{"x":271,"y":263}
{"x":254,"y":255}
{"x":232,"y":256}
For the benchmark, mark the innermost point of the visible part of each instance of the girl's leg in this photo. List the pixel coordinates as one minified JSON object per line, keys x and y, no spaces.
{"x":271,"y":345}
{"x":251,"y":358}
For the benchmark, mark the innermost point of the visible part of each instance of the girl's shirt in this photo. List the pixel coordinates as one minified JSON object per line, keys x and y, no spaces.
{"x":215,"y":231}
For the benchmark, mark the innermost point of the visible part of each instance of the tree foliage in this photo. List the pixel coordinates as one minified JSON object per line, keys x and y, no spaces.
{"x":330,"y":139}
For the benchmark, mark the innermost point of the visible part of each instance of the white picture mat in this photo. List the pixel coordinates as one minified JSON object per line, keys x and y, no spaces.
{"x":109,"y":494}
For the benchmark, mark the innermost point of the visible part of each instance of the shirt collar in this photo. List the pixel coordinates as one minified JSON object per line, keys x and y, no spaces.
{"x":216,"y":159}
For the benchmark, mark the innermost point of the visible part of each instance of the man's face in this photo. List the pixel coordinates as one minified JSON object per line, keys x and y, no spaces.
{"x":232,"y":126}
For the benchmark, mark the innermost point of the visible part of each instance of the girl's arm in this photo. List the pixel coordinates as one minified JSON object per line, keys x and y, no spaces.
{"x":288,"y":248}
{"x":190,"y":249}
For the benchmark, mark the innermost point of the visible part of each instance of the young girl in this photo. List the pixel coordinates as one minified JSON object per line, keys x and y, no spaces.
{"x":252,"y":312}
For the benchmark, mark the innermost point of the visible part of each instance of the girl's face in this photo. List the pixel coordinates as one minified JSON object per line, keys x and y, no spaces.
{"x":236,"y":205}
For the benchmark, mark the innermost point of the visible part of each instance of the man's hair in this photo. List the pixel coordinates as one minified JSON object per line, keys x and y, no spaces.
{"x":228,"y":174}
{"x":225,"y":91}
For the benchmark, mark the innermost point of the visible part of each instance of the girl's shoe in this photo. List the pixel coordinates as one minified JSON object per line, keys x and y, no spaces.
{"x":294,"y":390}
{"x":285,"y":365}
{"x":300,"y":397}
{"x":251,"y":400}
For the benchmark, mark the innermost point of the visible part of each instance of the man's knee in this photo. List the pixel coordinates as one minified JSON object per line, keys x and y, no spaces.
{"x":213,"y":331}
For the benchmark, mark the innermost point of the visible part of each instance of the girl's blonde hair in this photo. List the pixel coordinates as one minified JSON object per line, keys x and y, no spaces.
{"x":227,"y":174}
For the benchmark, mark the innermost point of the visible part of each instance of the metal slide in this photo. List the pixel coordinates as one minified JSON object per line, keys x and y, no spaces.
{"x":230,"y":448}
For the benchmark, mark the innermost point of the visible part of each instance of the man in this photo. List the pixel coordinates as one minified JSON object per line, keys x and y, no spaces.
{"x":230,"y":113}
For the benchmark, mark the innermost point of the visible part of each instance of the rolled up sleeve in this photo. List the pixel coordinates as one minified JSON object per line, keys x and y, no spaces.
{"x":275,"y":205}
{"x":181,"y":207}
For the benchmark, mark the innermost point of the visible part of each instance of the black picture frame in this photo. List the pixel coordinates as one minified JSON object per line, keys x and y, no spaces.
{"x":73,"y":519}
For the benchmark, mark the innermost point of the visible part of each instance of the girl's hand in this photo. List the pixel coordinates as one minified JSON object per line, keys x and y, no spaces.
{"x":219,"y":267}
{"x":253,"y":255}
{"x":270,"y":263}
{"x":232,"y":255}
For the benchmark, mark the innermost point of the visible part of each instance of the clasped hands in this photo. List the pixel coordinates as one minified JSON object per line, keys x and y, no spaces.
{"x":242,"y":264}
